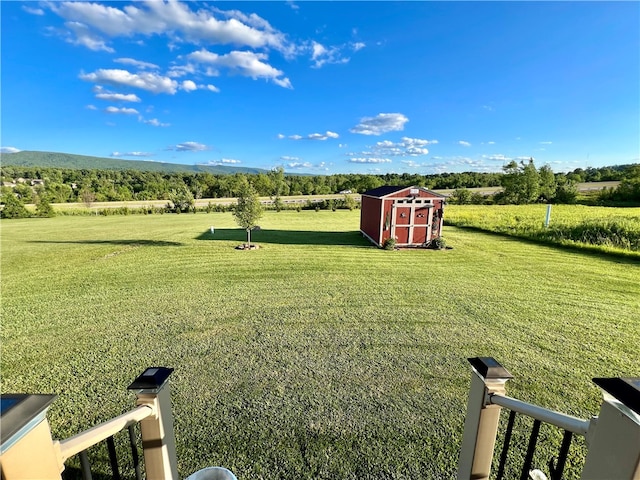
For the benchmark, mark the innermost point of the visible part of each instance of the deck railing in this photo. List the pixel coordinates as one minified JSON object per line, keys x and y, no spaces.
{"x":30,"y":433}
{"x":612,"y":438}
{"x":80,"y":443}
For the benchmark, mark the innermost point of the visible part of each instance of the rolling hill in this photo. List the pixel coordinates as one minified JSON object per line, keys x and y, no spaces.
{"x":83,"y":162}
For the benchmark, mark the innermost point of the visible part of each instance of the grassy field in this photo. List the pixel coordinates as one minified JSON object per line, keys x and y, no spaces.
{"x":316,"y":356}
{"x":595,"y":228}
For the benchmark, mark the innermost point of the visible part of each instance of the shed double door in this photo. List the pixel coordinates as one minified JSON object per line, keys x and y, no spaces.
{"x":411,"y":221}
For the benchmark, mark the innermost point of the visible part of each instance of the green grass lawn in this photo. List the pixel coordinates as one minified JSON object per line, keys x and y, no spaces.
{"x":316,"y":356}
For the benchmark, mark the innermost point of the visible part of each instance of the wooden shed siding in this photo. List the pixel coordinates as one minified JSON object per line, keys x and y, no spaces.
{"x":370,"y":218}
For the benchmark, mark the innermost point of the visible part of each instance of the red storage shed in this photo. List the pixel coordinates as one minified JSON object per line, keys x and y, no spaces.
{"x":411,"y":215}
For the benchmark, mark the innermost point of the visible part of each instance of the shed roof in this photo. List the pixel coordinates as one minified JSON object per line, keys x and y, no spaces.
{"x":391,"y":189}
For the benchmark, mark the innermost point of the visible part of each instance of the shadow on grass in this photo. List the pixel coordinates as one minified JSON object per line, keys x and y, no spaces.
{"x":139,"y":243}
{"x":592,"y":251}
{"x":288,"y":237}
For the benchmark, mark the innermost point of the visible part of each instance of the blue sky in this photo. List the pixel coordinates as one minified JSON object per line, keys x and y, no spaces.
{"x":325,"y":87}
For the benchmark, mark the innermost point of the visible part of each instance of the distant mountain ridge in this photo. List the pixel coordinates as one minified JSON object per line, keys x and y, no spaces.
{"x":27,"y":158}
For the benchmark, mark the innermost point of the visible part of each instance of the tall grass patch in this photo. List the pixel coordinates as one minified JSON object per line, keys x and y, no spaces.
{"x":596,"y":228}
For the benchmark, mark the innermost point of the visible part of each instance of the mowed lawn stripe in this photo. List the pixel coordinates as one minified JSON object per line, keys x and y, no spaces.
{"x":316,"y":356}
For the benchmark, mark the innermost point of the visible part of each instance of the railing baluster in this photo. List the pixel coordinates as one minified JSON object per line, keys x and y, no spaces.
{"x":557,"y":469}
{"x":85,"y":466}
{"x":505,"y":446}
{"x":113,"y":459}
{"x":134,"y":452}
{"x":533,"y":440}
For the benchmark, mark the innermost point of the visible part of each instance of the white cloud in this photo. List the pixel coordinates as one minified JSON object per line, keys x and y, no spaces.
{"x":415,"y":151}
{"x":102,"y":94}
{"x":287,"y":158}
{"x":406,"y":147}
{"x":189,"y":86}
{"x":491,"y":143}
{"x":132,"y":154}
{"x":546,"y":143}
{"x":118,"y":97}
{"x":33,"y":11}
{"x":358,"y":46}
{"x":86,"y":38}
{"x":153,"y":122}
{"x":137,"y":63}
{"x":178,"y":71}
{"x":222,"y":161}
{"x":126,"y":111}
{"x":145,"y":80}
{"x":247,"y":64}
{"x":176,"y":20}
{"x":312,"y":136}
{"x":417,"y":142}
{"x":189,"y":147}
{"x":299,"y":165}
{"x":382,"y":123}
{"x":318,"y":50}
{"x":9,"y":150}
{"x":321,"y":55}
{"x":369,"y":160}
{"x":411,"y":163}
{"x":498,"y":157}
{"x":292,"y":4}
{"x":91,"y":107}
{"x":464,"y":143}
{"x":460,"y":164}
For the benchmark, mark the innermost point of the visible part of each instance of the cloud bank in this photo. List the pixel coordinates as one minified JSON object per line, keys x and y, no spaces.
{"x":381,"y":123}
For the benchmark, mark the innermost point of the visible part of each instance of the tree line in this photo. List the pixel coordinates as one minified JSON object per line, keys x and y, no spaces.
{"x":521,"y":183}
{"x":71,"y":185}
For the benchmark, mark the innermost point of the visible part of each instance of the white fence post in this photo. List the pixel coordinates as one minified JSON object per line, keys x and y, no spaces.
{"x":481,"y":422}
{"x":158,"y":438}
{"x":614,"y":444}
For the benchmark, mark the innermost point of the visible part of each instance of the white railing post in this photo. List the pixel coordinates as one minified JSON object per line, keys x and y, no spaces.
{"x":158,"y":438}
{"x":27,"y":450}
{"x":614,"y":443}
{"x":481,"y":422}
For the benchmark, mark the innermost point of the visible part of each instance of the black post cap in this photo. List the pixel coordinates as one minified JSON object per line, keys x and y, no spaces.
{"x":489,"y":368}
{"x":625,"y":390}
{"x":152,"y":378}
